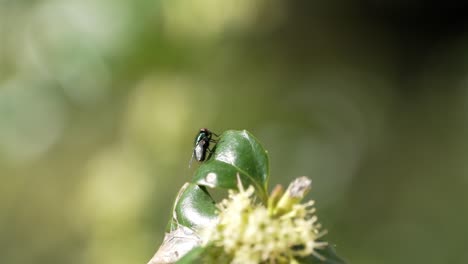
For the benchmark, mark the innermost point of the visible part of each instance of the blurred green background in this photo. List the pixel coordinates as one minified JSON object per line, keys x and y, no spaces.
{"x":100,"y":101}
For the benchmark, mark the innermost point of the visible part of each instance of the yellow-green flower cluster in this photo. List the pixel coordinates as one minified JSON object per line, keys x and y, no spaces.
{"x":250,"y":233}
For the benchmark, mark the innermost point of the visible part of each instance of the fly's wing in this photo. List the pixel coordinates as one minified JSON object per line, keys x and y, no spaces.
{"x":191,"y":159}
{"x":200,"y":150}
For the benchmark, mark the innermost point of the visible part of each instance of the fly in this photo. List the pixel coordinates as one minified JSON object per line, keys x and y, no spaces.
{"x":202,"y":145}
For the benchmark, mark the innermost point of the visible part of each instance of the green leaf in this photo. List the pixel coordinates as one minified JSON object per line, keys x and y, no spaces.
{"x":193,"y":208}
{"x":194,"y":256}
{"x":208,"y":254}
{"x":329,"y":254}
{"x":237,"y":152}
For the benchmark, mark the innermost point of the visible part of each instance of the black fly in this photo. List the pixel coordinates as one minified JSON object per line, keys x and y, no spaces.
{"x":202,"y":145}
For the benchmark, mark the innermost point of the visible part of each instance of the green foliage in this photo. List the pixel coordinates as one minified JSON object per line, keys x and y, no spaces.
{"x":235,"y":153}
{"x":329,"y":255}
{"x":194,"y":207}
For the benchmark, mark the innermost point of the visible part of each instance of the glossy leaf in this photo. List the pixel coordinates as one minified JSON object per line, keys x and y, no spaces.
{"x":237,"y":152}
{"x":197,"y":255}
{"x":193,"y":208}
{"x":329,"y":254}
{"x":208,"y":254}
{"x":194,"y":256}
